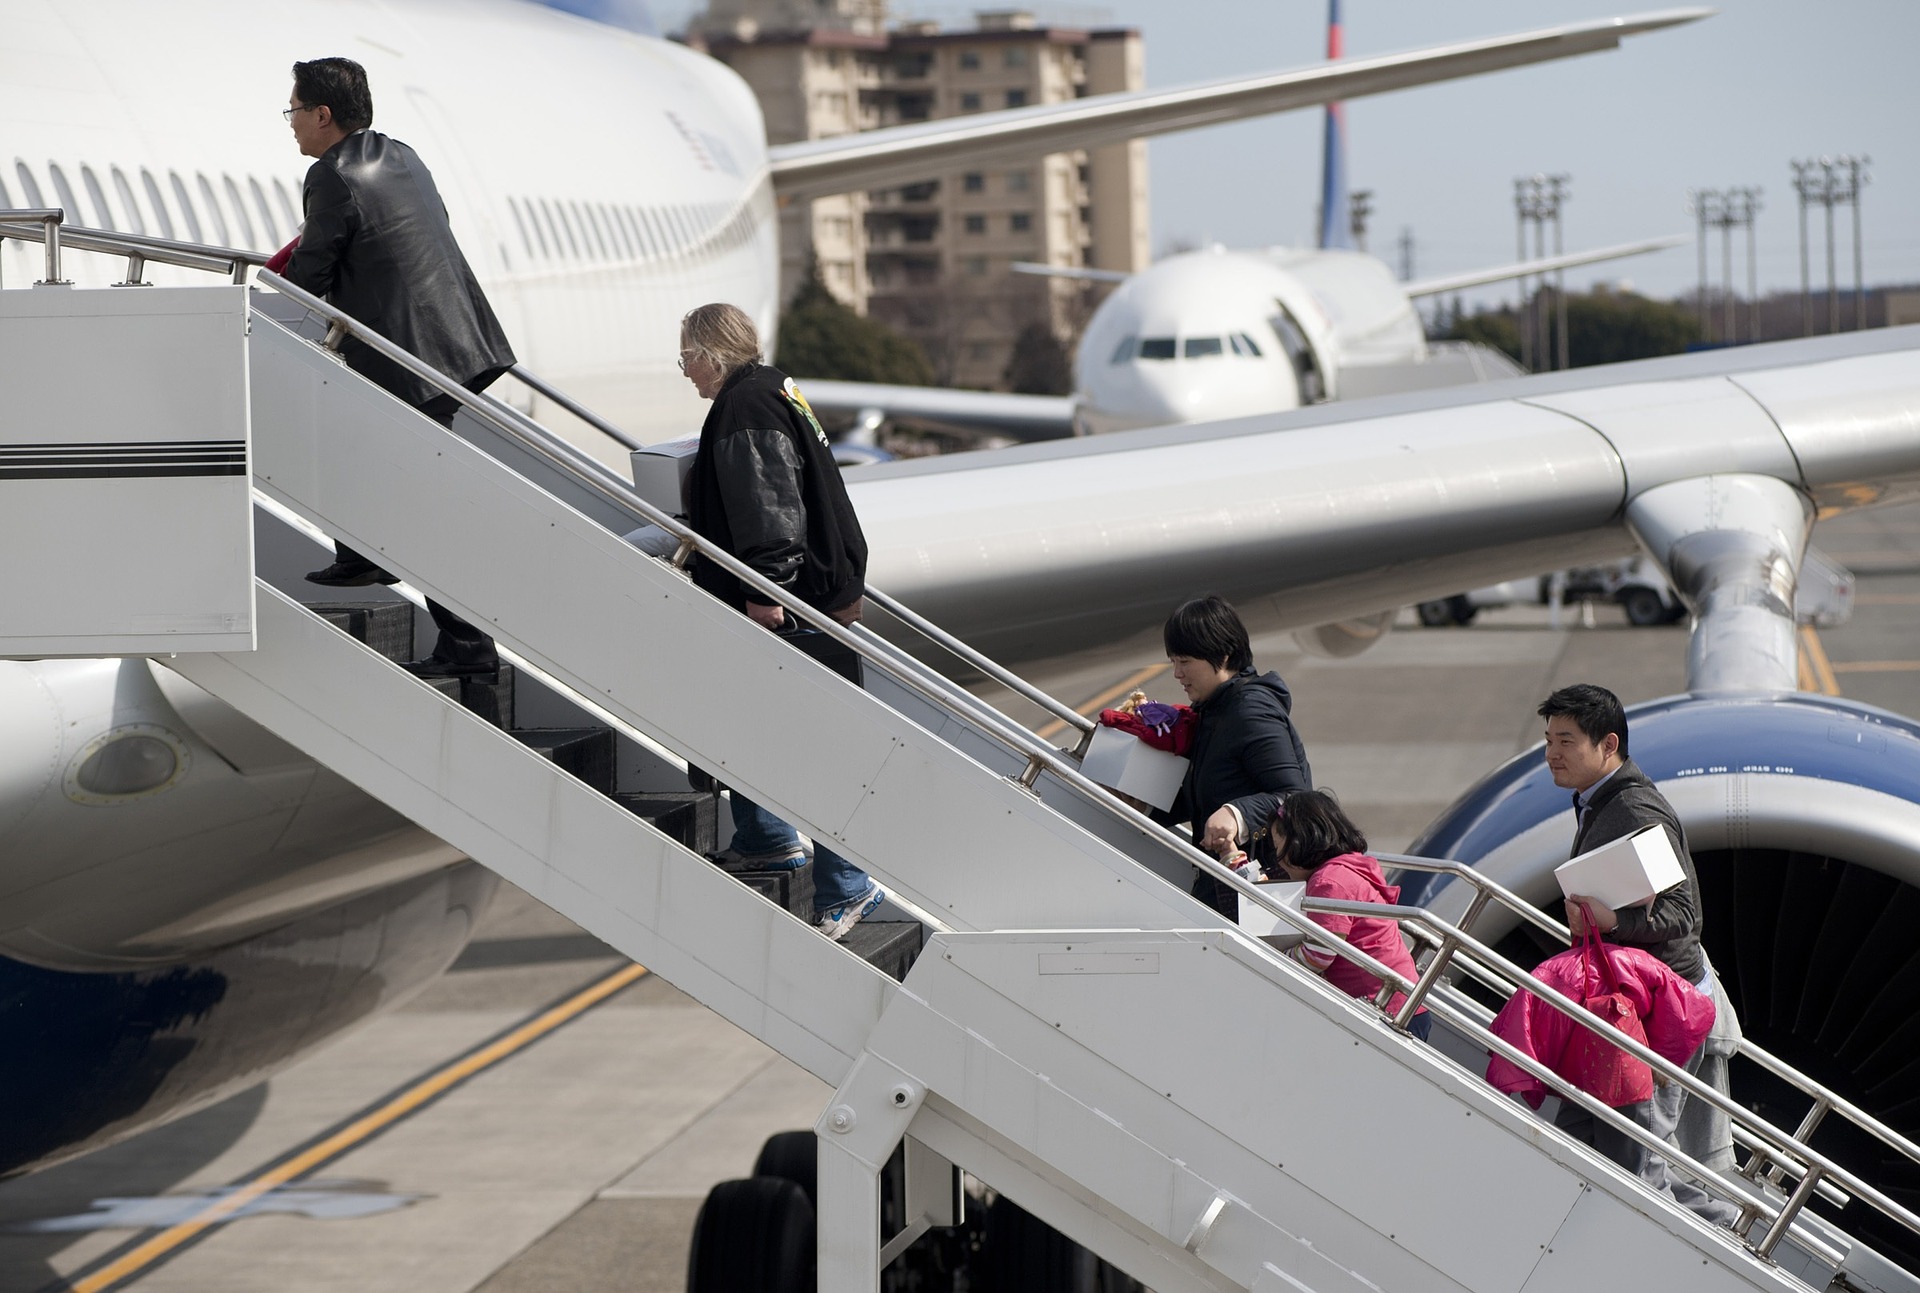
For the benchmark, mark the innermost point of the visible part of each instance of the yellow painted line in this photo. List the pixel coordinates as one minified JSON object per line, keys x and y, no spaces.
{"x":1101,"y":701}
{"x":1878,"y":666}
{"x":376,"y":1120}
{"x":1815,"y":657}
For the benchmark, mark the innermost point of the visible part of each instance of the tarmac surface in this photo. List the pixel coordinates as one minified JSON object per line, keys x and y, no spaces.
{"x":577,"y":1158}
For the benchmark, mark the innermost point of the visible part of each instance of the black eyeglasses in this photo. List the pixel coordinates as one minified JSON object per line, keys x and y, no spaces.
{"x":287,"y":113}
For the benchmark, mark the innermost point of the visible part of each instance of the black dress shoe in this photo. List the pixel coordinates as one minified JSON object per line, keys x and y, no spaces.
{"x":431,"y":668}
{"x":351,"y":574}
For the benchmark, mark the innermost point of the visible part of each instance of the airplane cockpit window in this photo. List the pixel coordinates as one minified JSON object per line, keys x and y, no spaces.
{"x":215,"y":215}
{"x":1243,"y":345}
{"x":136,"y":221}
{"x":1158,"y":348}
{"x":29,"y":189}
{"x":185,"y":199}
{"x":65,"y":190}
{"x":1204,"y":348}
{"x":1293,"y":343}
{"x":1124,"y":351}
{"x":99,"y":196}
{"x":158,"y":200}
{"x":268,"y":224}
{"x":242,"y":221}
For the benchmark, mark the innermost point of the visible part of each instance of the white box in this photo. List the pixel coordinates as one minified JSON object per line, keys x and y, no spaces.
{"x":660,"y":473}
{"x":1122,"y":761}
{"x":1263,"y":924}
{"x":1629,"y":870}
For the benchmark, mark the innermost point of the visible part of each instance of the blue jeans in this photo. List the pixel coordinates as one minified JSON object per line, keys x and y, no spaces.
{"x":836,"y":881}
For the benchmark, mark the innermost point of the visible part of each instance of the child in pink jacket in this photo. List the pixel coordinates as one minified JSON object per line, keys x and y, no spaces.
{"x":1314,"y":841}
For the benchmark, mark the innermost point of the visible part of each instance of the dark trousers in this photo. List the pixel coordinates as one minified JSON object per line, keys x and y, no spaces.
{"x":459,"y":641}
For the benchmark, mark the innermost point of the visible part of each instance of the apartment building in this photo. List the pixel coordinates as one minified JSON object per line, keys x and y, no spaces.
{"x":934,"y":258}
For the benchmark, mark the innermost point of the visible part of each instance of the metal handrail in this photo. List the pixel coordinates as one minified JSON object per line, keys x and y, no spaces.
{"x":1817,"y":1166}
{"x":531,"y":435}
{"x":138,"y":248}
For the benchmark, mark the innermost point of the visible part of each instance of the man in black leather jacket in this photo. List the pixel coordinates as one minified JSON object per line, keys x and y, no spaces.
{"x":376,"y":244}
{"x":1586,"y":750}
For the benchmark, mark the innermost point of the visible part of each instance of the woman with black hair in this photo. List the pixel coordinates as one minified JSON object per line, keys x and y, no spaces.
{"x":1314,"y":841}
{"x":1245,"y":749}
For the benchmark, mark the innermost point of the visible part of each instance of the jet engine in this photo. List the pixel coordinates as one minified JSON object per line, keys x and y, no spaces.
{"x":1802,"y":819}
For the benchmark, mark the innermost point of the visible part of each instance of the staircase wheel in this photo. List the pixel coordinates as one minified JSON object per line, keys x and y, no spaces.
{"x":753,"y":1236}
{"x":790,"y":1156}
{"x":1022,"y":1254}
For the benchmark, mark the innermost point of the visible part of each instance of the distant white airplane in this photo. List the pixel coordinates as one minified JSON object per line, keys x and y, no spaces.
{"x":175,"y":922}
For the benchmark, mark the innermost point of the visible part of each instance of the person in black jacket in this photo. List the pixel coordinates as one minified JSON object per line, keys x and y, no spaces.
{"x":1586,"y":750}
{"x":1245,"y":749}
{"x":376,"y":245}
{"x":764,"y":488}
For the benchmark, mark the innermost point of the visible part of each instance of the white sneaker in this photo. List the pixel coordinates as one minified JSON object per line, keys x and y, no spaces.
{"x":836,"y":921}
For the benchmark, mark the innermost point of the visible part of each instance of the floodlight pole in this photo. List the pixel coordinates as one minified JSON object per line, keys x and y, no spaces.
{"x":1803,"y":185}
{"x":1558,"y":193}
{"x":1833,"y":292}
{"x":1858,"y":178}
{"x":1524,"y":317}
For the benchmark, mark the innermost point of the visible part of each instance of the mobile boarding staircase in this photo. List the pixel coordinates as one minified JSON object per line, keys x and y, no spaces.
{"x":1077,"y":1030}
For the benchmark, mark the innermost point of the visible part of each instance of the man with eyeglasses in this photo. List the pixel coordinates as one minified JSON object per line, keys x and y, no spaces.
{"x":377,"y":246}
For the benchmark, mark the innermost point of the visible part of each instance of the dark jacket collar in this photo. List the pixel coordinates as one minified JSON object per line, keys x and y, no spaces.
{"x":1628,"y":774}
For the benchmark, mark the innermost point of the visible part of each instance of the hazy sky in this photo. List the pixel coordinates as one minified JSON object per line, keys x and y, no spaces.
{"x":1725,"y":101}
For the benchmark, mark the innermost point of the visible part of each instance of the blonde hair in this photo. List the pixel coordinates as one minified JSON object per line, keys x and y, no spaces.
{"x":721,"y":334}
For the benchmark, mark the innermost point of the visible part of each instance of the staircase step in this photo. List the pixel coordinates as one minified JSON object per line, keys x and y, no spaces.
{"x":586,"y":752}
{"x":387,"y":627}
{"x":890,"y":946}
{"x":493,"y":700}
{"x":690,"y":816}
{"x":790,"y":889}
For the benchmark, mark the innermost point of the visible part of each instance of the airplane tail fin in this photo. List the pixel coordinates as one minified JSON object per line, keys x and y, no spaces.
{"x":1336,"y":218}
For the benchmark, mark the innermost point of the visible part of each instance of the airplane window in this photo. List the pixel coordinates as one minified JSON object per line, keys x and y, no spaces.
{"x":99,"y":196}
{"x":616,"y":234}
{"x":1204,"y":347}
{"x":159,"y":202}
{"x":590,"y":226}
{"x":242,"y":221}
{"x":187,"y":212}
{"x":267,"y":222}
{"x":29,"y":190}
{"x":632,"y":226}
{"x":216,"y":218}
{"x":554,"y":228}
{"x":136,"y":221}
{"x":1158,"y":348}
{"x":1124,"y":351}
{"x":520,"y":223}
{"x":1245,"y":345}
{"x":65,"y":190}
{"x":286,"y":205}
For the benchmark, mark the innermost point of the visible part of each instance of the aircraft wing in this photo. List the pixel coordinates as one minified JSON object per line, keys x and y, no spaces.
{"x":1343,"y":510}
{"x":903,"y":154}
{"x":1545,"y":265}
{"x":1016,"y":417}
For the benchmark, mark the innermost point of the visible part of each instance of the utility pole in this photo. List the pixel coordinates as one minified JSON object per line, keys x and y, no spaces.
{"x":1406,"y":254}
{"x":1557,"y":193}
{"x":1856,"y":179}
{"x":1536,"y":201}
{"x":1705,"y":205}
{"x":1360,"y":204}
{"x":1523,"y":209}
{"x":1804,"y":185}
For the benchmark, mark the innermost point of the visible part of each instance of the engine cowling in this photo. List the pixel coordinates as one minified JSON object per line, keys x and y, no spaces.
{"x":1802,"y":819}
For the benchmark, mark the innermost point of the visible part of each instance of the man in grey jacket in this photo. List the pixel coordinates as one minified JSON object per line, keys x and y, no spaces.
{"x":1586,"y":748}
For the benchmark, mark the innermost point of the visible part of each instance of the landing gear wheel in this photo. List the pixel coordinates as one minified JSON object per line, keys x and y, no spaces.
{"x":753,"y":1236}
{"x":1435,"y":615}
{"x":1644,"y":607}
{"x":791,"y":1156}
{"x":1463,"y":610}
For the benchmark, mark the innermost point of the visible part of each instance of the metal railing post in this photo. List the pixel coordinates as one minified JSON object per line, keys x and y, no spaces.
{"x":1798,"y":1200}
{"x":136,"y":271}
{"x":52,"y":223}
